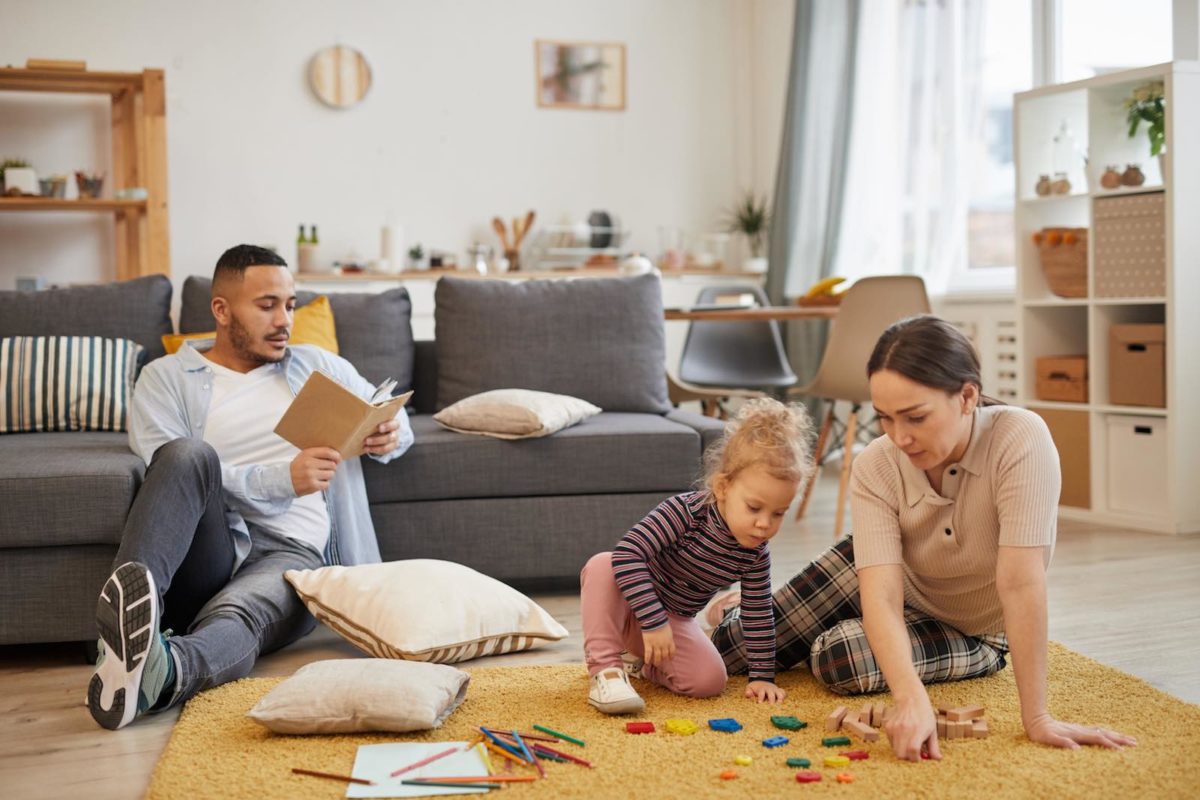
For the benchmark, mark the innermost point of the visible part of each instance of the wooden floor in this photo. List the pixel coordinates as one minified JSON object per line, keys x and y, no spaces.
{"x":1131,"y":600}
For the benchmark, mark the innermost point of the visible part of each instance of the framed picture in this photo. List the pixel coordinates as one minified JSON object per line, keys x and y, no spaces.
{"x":580,"y":75}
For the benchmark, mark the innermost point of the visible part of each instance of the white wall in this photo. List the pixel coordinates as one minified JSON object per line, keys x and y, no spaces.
{"x":449,"y":135}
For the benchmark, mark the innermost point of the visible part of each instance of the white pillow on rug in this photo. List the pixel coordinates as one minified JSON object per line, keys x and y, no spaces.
{"x":423,"y":610}
{"x":515,"y":413}
{"x":362,"y":694}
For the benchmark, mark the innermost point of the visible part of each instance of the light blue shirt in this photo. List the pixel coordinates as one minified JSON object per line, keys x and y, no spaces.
{"x":170,"y":401}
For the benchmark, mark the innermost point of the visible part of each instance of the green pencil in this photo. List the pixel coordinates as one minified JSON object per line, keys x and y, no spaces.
{"x":571,"y":739}
{"x":455,"y":785}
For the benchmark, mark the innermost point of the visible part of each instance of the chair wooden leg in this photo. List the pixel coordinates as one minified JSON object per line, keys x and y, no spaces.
{"x":847,"y":458}
{"x":819,"y":458}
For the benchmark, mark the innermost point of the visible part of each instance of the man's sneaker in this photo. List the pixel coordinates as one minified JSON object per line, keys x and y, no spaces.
{"x":612,"y":694}
{"x":720,"y":605}
{"x":134,"y":665}
{"x":632,"y":664}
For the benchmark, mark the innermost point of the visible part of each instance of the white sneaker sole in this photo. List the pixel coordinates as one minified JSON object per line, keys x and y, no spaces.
{"x":125,"y":615}
{"x":630,"y":705}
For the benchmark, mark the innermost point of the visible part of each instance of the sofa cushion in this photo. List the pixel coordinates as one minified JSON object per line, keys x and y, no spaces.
{"x":374,"y":331}
{"x":139,"y":309}
{"x":65,"y":488}
{"x":515,"y":413}
{"x":610,"y":453}
{"x":598,"y":339}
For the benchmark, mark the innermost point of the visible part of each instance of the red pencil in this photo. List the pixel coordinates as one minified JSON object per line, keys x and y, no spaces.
{"x":331,"y":776}
{"x":561,"y":754}
{"x":425,"y":761}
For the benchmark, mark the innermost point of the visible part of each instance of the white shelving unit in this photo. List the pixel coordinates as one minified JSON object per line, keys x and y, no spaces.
{"x":1151,"y":487}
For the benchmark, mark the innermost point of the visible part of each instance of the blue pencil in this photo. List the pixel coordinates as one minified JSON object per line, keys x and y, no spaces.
{"x":502,"y":744}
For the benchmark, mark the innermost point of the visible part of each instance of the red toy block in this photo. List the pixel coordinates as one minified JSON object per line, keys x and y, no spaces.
{"x":925,"y":755}
{"x":856,"y":755}
{"x":639,"y":727}
{"x":807,"y":776}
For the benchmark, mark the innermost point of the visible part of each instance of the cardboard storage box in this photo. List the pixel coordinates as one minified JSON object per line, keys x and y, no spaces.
{"x":1137,"y":374}
{"x":1062,"y":378}
{"x":1130,"y":248}
{"x":1137,"y":464}
{"x":1071,"y":432}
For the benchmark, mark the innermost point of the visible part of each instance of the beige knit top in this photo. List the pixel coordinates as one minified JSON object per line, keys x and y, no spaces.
{"x":1004,"y":491}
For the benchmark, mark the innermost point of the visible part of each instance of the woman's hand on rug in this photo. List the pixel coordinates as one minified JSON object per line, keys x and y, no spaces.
{"x":765,"y":692}
{"x":659,"y":644}
{"x":911,"y":728}
{"x":1047,"y":730}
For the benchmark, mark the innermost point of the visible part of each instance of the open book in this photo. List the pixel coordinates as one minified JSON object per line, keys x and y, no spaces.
{"x":327,"y":414}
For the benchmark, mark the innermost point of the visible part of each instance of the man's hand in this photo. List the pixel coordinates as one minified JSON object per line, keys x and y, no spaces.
{"x":384,"y":440}
{"x":659,"y":645}
{"x":765,"y":692}
{"x":313,"y":468}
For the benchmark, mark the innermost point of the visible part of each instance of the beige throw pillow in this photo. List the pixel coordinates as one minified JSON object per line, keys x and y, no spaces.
{"x":515,"y":413}
{"x":362,"y":694}
{"x":424,"y":610}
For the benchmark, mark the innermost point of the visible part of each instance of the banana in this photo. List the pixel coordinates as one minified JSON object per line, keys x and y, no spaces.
{"x":823,"y":287}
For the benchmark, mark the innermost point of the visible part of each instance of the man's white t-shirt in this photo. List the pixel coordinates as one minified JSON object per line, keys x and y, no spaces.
{"x":242,"y":416}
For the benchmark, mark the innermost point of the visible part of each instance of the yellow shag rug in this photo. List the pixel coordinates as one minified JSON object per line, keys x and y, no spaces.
{"x":217,"y":752}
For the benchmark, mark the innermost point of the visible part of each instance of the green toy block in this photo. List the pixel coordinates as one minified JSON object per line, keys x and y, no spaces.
{"x":788,"y":723}
{"x":836,"y":741}
{"x":803,"y":763}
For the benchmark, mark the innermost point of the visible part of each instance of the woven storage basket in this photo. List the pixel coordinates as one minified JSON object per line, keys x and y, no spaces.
{"x":1063,"y":253}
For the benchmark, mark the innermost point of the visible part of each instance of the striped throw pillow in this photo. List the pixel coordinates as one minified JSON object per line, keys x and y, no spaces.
{"x":66,"y":383}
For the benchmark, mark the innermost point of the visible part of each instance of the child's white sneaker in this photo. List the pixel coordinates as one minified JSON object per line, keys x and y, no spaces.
{"x":612,"y":693}
{"x":714,"y":613}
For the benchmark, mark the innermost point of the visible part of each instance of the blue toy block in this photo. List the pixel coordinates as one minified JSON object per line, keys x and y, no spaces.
{"x":727,"y":725}
{"x":775,"y":741}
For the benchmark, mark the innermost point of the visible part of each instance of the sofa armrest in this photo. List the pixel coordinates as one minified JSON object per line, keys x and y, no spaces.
{"x":710,"y":429}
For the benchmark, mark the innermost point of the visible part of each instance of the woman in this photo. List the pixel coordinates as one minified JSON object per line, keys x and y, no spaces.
{"x":954,"y":513}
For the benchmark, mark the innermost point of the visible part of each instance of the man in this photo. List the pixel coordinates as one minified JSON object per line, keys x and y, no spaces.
{"x":227,"y":506}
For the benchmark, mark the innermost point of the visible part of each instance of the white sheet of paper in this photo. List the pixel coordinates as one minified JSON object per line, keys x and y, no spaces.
{"x":377,"y":762}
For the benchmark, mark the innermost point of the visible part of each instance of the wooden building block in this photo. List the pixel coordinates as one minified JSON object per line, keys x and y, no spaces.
{"x":834,"y":721}
{"x":964,"y":712}
{"x":861,"y":730}
{"x":864,"y":716}
{"x":877,"y":715}
{"x":979,"y":728}
{"x":964,"y":728}
{"x":941,"y":727}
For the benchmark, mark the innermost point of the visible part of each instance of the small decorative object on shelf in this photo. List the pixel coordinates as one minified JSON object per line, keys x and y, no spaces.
{"x":132,"y":193}
{"x":11,"y":163}
{"x":1063,"y":253}
{"x":751,"y":218}
{"x":1111,"y":179}
{"x":21,"y":181}
{"x":1132,"y":176}
{"x":416,"y":257}
{"x":1061,"y":184}
{"x":1043,"y":186}
{"x":54,"y":186}
{"x":1147,"y":105}
{"x":90,"y":186}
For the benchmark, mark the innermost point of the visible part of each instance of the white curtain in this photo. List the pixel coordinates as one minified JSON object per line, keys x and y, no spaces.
{"x":918,"y":106}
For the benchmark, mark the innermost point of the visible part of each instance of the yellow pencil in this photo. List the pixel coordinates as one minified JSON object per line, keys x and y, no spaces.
{"x":487,"y":761}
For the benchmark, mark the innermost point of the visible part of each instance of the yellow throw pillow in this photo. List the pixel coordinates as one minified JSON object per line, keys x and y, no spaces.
{"x":313,"y":325}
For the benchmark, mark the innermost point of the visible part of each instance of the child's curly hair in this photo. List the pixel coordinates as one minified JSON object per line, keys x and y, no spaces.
{"x":766,"y":432}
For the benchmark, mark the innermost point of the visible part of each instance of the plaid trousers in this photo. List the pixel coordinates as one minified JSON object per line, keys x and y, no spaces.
{"x":818,"y":618}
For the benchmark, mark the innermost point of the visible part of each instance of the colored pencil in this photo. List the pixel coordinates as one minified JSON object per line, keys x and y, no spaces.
{"x":571,"y":739}
{"x":487,"y":760}
{"x":537,"y":737}
{"x":425,"y":761}
{"x":478,"y":779}
{"x":507,"y":755}
{"x":567,"y":756}
{"x":313,"y":773}
{"x":532,"y":756}
{"x":501,"y":743}
{"x":453,"y":785}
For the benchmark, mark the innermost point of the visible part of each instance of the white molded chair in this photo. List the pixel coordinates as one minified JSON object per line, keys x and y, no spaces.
{"x":868,"y":307}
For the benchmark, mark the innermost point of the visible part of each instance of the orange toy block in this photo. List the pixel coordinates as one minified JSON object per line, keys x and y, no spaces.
{"x":964,"y":712}
{"x":845,"y":777}
{"x":979,"y":728}
{"x":864,"y":732}
{"x":834,"y":721}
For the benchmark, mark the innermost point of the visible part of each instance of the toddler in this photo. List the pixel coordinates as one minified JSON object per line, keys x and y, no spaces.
{"x":639,"y":602}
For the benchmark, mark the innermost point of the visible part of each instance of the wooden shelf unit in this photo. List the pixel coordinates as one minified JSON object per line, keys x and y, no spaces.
{"x":139,"y":159}
{"x":1097,"y":479}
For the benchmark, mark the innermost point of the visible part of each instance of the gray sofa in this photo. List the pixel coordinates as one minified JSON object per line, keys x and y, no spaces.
{"x":528,"y":512}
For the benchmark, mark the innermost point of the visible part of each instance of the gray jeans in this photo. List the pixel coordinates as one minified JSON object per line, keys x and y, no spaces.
{"x":176,"y":527}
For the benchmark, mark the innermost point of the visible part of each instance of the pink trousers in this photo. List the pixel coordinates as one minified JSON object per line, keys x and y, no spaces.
{"x":609,"y":627}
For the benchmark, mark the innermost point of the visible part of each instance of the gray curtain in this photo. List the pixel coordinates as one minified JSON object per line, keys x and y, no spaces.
{"x":810,"y":181}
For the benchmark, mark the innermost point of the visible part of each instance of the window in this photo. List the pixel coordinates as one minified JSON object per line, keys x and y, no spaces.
{"x":1101,"y":36}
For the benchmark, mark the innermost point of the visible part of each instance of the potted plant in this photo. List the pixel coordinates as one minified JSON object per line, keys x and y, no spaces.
{"x":751,"y":218}
{"x":1147,"y":105}
{"x":16,"y":163}
{"x":416,"y":257}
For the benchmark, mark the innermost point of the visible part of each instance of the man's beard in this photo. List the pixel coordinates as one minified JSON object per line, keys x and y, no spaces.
{"x":242,"y":343}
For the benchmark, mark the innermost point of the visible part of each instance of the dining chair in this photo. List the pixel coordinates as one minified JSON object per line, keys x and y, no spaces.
{"x":729,"y":358}
{"x":867,"y":308}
